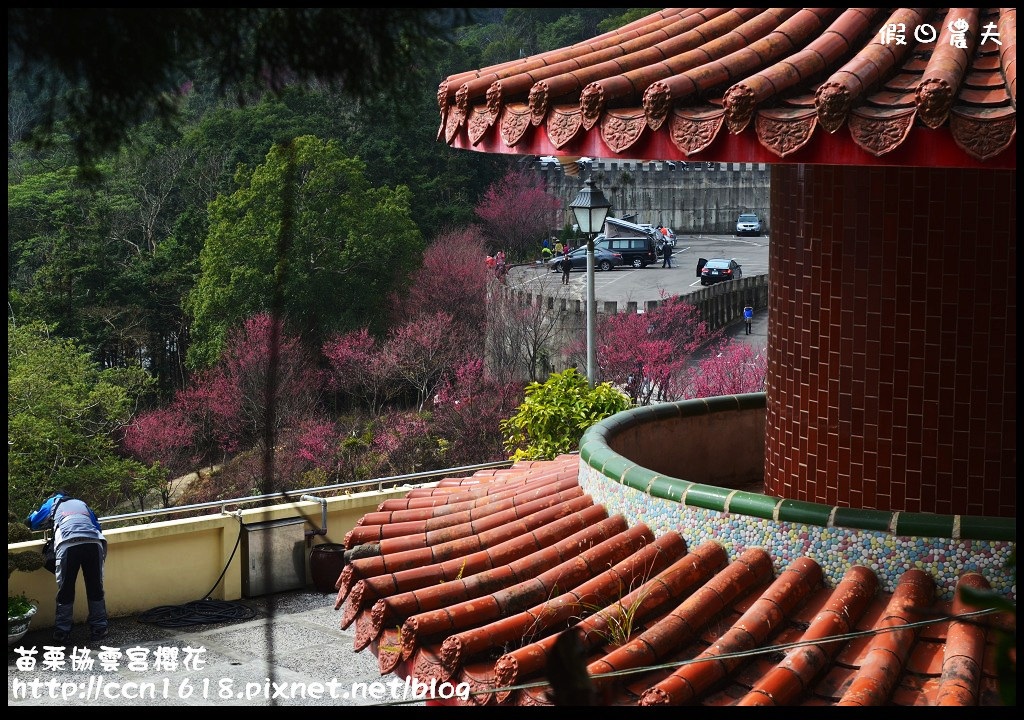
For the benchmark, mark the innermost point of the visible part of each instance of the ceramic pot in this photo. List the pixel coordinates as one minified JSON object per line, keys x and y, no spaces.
{"x":18,"y":625}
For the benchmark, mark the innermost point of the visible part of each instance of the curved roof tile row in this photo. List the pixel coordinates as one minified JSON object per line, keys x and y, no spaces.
{"x":479,"y":586}
{"x":778,"y":73}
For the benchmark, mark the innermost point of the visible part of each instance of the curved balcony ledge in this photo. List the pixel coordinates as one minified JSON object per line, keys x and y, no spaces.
{"x":652,"y":465}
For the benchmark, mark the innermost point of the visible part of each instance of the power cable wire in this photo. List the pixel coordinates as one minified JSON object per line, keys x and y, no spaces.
{"x":739,"y":654}
{"x":204,"y":611}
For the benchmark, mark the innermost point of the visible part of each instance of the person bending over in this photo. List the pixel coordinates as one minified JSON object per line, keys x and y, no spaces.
{"x":80,"y":546}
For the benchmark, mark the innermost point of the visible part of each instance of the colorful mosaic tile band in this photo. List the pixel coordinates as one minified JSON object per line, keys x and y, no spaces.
{"x":836,"y":549}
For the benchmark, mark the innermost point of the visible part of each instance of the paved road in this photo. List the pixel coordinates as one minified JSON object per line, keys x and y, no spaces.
{"x":758,"y":329}
{"x":626,"y":284}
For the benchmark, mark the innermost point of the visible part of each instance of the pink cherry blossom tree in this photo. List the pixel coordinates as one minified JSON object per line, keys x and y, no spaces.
{"x":200,"y":426}
{"x":362,"y":369}
{"x":427,"y":349}
{"x":404,"y":442}
{"x":646,"y":354}
{"x":468,"y":411}
{"x":518,"y":213}
{"x":223,"y":410}
{"x":245,"y":366}
{"x":730,"y":368}
{"x":452,"y":279}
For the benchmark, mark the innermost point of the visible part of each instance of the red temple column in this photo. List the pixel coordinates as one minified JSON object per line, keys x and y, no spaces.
{"x":892,"y":338}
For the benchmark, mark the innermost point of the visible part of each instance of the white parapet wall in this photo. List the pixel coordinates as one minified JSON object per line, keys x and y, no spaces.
{"x":177,"y":561}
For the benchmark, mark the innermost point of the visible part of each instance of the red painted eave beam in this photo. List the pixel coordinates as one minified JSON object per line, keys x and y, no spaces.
{"x":924,"y":147}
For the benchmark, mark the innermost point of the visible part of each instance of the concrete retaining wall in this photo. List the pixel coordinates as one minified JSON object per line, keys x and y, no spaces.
{"x":687,"y":197}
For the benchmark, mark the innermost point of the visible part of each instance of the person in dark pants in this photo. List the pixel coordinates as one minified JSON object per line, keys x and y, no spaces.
{"x":748,"y":317}
{"x":80,"y":546}
{"x":666,"y":256}
{"x":566,"y":265}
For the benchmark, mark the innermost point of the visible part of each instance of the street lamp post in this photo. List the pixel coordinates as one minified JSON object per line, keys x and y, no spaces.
{"x":590,"y":208}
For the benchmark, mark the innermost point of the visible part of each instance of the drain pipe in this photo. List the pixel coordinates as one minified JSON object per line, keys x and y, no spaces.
{"x":323,"y":519}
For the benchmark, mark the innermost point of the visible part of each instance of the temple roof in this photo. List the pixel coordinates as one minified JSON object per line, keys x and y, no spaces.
{"x":934,"y":87}
{"x":474,"y":580}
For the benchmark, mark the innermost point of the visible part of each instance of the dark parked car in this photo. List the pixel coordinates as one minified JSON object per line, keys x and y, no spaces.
{"x":603,"y":260}
{"x":718,"y":270}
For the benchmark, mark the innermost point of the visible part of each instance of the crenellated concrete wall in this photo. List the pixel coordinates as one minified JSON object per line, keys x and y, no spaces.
{"x":687,"y":197}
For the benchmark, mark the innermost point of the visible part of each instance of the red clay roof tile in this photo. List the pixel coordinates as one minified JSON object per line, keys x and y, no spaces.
{"x":913,"y":690}
{"x":573,"y":571}
{"x":946,"y":68}
{"x":1007,"y":28}
{"x":784,"y":684}
{"x":598,"y":592}
{"x":447,"y":620}
{"x":695,"y":567}
{"x":964,"y":651}
{"x":853,"y":654}
{"x":699,"y":69}
{"x":690,"y":681}
{"x":421,"y":590}
{"x":887,"y":652}
{"x":837,"y":95}
{"x":654,"y":76}
{"x":682,"y":623}
{"x":742,"y":98}
{"x":835,"y":682}
{"x":502,"y":554}
{"x":926,"y":659}
{"x":392,"y":562}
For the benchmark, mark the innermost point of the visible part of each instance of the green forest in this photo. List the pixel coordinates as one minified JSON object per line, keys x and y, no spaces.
{"x":200,"y":199}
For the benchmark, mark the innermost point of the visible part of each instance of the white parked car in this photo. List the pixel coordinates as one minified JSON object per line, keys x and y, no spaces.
{"x":748,"y":224}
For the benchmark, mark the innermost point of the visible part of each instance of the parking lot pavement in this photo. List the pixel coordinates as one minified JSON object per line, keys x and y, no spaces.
{"x":626,"y":284}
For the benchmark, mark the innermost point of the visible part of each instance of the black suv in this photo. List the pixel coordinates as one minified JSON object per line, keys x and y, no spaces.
{"x":638,"y":245}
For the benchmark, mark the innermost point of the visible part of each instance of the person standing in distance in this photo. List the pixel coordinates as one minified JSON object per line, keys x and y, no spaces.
{"x":748,"y":317}
{"x":80,"y":546}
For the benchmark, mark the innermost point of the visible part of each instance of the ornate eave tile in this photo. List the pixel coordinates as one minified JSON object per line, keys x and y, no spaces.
{"x":564,"y":122}
{"x":592,"y":103}
{"x":515,"y":121}
{"x":784,"y":132}
{"x":478,"y":124}
{"x":880,"y":131}
{"x":693,"y":130}
{"x":620,"y":129}
{"x":451,"y":125}
{"x":983,"y":133}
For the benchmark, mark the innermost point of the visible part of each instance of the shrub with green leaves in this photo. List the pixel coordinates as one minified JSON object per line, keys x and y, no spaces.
{"x":27,"y":560}
{"x":556,"y":413}
{"x":18,"y":605}
{"x":63,"y":415}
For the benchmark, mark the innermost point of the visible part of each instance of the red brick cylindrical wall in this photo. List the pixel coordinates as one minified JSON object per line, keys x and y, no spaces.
{"x":892,"y":338}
